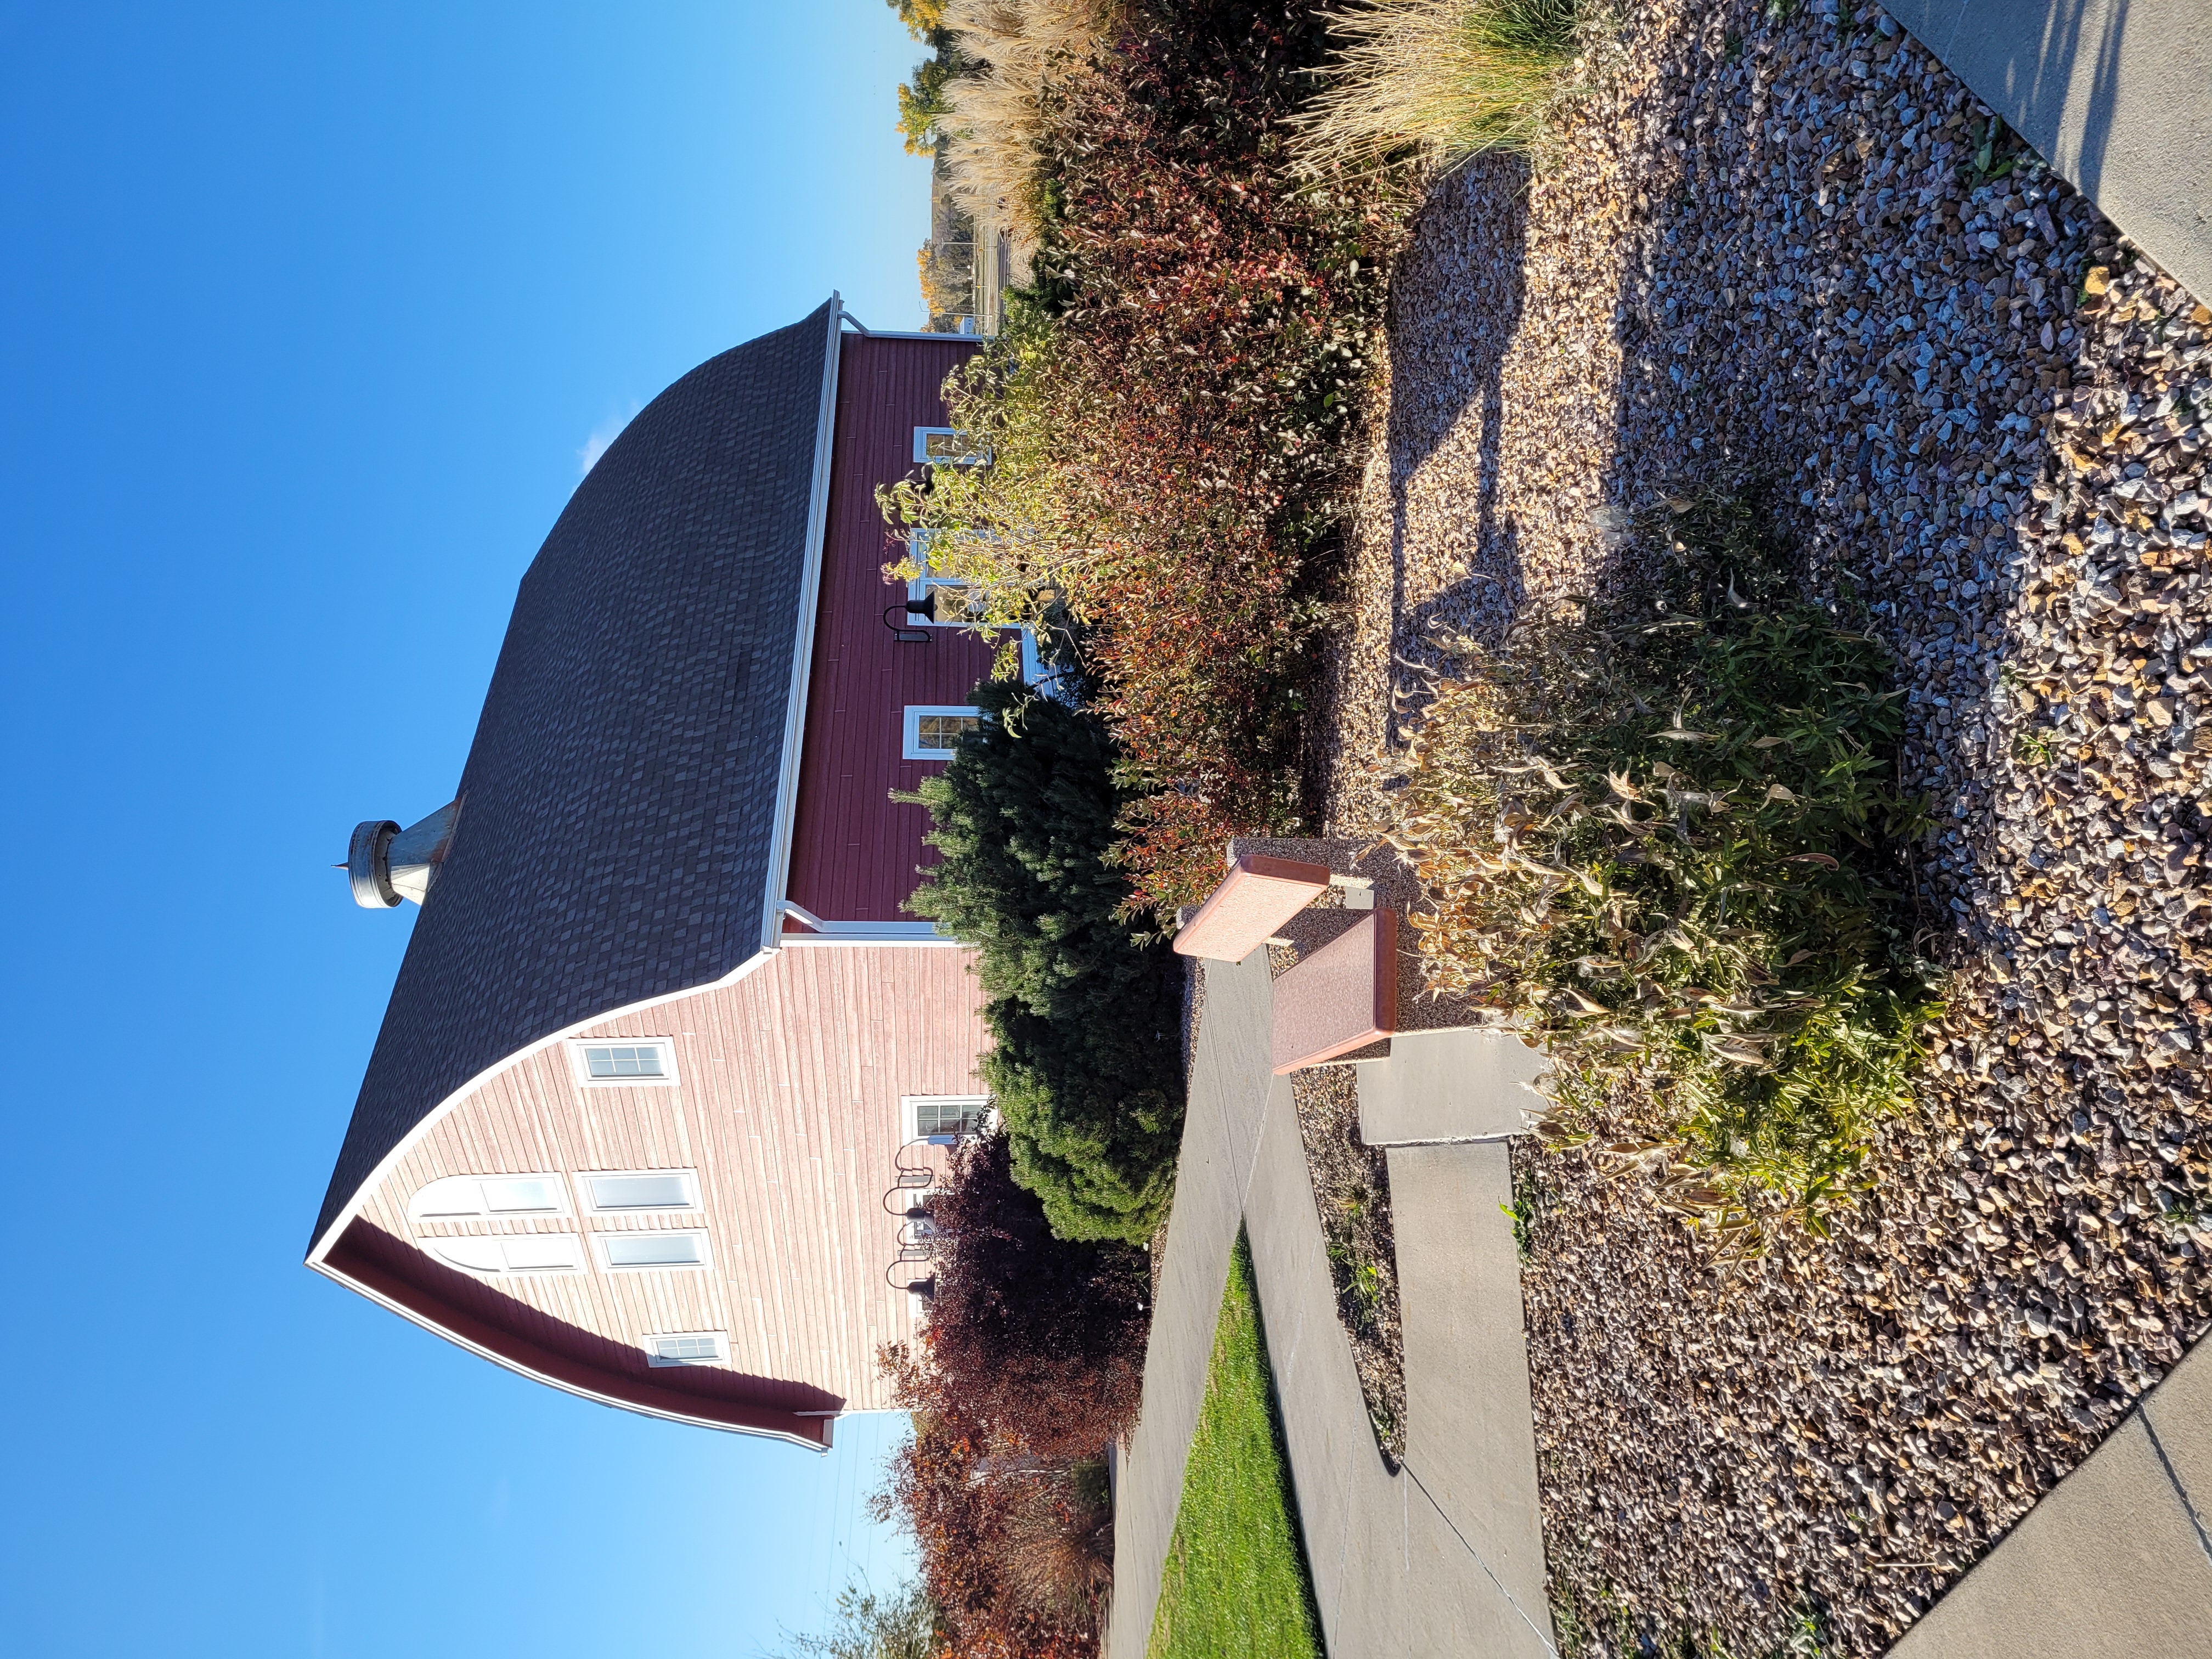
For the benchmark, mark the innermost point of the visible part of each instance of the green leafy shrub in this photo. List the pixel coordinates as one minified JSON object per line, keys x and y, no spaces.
{"x":1674,"y":848}
{"x":1087,"y":1066}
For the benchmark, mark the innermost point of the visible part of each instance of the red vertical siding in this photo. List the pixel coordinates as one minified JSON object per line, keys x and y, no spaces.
{"x":854,"y":851}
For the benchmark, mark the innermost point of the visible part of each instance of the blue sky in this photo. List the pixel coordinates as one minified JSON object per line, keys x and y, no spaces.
{"x":309,"y":311}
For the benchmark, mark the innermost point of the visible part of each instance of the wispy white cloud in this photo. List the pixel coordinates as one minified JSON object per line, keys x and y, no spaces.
{"x":603,"y":434}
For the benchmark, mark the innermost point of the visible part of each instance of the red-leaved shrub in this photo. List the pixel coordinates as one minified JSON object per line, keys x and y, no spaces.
{"x":1039,"y":1341}
{"x":1171,"y":413}
{"x":1223,"y":308}
{"x":1031,"y":1362}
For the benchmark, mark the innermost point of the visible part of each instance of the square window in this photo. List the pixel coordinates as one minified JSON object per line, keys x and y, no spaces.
{"x":933,"y":730}
{"x":647,"y":1252}
{"x":619,"y":1190}
{"x":624,"y":1059}
{"x":945,"y":446}
{"x":956,"y":604}
{"x":625,"y":1062}
{"x":945,"y":1118}
{"x":687,"y":1348}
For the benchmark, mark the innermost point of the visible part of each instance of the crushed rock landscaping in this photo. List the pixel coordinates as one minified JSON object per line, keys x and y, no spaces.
{"x":1789,"y":251}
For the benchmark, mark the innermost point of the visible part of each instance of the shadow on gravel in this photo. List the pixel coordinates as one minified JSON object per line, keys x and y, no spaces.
{"x":1991,"y":455}
{"x":1455,"y":354}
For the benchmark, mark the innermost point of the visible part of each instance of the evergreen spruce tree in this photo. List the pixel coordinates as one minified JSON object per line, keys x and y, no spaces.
{"x":1087,"y":1070}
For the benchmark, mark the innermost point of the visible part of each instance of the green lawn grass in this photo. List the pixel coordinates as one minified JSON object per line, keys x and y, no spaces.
{"x":1236,"y":1580}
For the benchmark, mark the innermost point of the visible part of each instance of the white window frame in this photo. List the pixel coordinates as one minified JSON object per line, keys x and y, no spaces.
{"x":436,"y":1248}
{"x":592,"y":1207}
{"x":657,"y":1361}
{"x":705,"y":1264}
{"x":922,"y":435}
{"x":910,"y":1116}
{"x":583,"y":1070}
{"x":917,"y":549}
{"x":910,"y":728}
{"x":918,"y":588}
{"x":483,"y":1210}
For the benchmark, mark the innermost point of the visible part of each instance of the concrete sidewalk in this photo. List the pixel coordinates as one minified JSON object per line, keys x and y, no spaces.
{"x":1446,"y":1556}
{"x":2116,"y":1562}
{"x":1229,"y":1089}
{"x":2116,"y":94}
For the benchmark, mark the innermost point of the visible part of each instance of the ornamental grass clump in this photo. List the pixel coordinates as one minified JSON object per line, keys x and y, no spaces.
{"x":1447,"y":78}
{"x":1676,"y":850}
{"x":1012,"y":59}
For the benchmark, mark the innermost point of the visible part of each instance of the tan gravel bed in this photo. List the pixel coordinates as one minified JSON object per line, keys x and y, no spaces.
{"x":1761,"y":251}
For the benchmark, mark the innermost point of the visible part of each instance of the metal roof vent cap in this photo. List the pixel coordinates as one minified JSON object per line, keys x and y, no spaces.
{"x":386,"y":864}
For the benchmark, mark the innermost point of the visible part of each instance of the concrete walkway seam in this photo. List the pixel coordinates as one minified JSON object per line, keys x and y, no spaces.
{"x":2180,"y":1490}
{"x":1511,"y":1599}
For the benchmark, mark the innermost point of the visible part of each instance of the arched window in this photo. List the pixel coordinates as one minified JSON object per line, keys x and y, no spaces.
{"x":462,"y":1196}
{"x":517,"y":1252}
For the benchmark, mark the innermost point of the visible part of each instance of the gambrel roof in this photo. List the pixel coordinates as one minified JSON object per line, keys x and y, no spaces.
{"x":627,"y":800}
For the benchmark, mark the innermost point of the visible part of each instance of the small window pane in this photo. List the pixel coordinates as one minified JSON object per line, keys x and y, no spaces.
{"x":454,"y":1196}
{"x":944,"y":731}
{"x":641,"y":1192}
{"x":479,"y":1255}
{"x":617,"y":1061}
{"x":654,"y":1249}
{"x":523,"y":1195}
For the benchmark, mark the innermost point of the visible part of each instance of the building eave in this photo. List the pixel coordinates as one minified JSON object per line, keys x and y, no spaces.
{"x":802,"y":656}
{"x":811,"y":1430}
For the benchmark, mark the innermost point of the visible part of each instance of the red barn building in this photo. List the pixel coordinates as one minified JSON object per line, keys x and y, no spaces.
{"x":663,"y":1041}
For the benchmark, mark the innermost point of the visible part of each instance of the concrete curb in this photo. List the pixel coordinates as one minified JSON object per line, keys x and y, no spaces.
{"x":2111,"y":93}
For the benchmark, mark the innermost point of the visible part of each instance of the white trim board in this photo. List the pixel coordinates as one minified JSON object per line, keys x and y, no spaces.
{"x":860,"y":932}
{"x":802,"y":658}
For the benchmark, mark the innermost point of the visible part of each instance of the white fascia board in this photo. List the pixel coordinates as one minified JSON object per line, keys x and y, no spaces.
{"x":859,"y":932}
{"x":802,"y":658}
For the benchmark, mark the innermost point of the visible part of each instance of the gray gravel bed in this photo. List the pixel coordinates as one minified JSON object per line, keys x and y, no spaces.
{"x":1764,"y":249}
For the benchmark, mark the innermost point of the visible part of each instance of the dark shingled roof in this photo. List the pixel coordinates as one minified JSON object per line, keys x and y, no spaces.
{"x":617,"y":806}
